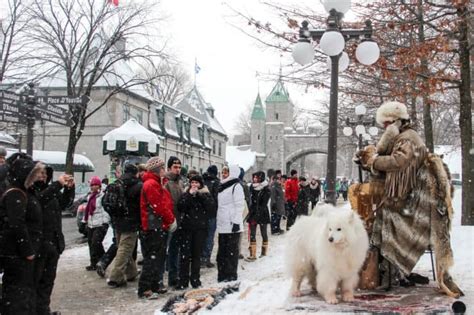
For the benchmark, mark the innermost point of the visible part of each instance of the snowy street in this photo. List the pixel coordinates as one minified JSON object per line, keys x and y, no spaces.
{"x":264,"y":288}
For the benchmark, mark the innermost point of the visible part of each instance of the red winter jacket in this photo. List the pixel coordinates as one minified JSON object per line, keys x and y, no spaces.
{"x":291,"y":190}
{"x":159,"y":198}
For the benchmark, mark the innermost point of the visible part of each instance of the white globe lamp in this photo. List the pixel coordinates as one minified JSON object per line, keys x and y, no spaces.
{"x":341,"y":6}
{"x":332,"y":43}
{"x":373,"y":131}
{"x":303,"y":53}
{"x":360,"y":110}
{"x":360,"y":129}
{"x":368,"y":52}
{"x":366,"y":136}
{"x":343,"y":62}
{"x":347,"y":131}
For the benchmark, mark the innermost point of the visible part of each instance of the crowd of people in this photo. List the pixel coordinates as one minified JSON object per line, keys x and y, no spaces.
{"x":170,"y":214}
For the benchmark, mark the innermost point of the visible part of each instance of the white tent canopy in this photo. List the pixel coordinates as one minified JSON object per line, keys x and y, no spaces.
{"x":132,"y":133}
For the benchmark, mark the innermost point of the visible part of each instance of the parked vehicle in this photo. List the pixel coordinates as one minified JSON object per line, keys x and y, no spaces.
{"x":81,"y":196}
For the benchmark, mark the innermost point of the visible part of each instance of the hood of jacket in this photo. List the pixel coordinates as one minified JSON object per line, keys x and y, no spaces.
{"x":151,"y":176}
{"x":129,"y":180}
{"x":22,"y":173}
{"x":234,"y":172}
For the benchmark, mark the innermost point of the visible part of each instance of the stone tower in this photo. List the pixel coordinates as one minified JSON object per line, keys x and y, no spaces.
{"x":257,"y":123}
{"x":279,"y":115}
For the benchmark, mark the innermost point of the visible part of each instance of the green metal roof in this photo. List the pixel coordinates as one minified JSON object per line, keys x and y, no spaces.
{"x":279,"y":94}
{"x":258,"y":113}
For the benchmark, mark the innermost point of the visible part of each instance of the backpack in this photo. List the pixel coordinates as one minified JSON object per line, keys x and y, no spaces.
{"x":114,"y":200}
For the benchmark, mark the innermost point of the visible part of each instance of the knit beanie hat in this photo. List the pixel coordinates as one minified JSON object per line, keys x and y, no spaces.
{"x":154,"y":163}
{"x":173,"y":160}
{"x":95,"y":181}
{"x":130,"y":169}
{"x":197,"y":178}
{"x":212,"y":170}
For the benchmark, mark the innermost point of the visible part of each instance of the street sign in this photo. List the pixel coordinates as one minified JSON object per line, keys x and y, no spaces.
{"x":10,"y":108}
{"x":65,"y":120}
{"x":56,"y":108}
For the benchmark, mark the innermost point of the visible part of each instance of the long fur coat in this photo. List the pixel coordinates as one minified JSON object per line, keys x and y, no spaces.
{"x":415,"y":210}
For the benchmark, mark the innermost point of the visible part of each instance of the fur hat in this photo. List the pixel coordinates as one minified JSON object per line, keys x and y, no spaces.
{"x":154,"y":163}
{"x":391,"y":111}
{"x":130,"y":169}
{"x":173,"y":160}
{"x":192,"y":173}
{"x":141,"y":167}
{"x":197,"y":178}
{"x":212,"y":170}
{"x":95,"y":181}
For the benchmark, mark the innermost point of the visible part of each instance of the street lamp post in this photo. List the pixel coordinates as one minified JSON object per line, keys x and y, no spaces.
{"x":360,"y":123}
{"x":332,"y":42}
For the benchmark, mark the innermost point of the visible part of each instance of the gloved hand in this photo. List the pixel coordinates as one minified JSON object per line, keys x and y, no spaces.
{"x":235,"y":228}
{"x":173,"y":226}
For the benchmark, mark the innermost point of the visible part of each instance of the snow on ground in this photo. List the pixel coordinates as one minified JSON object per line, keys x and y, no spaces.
{"x":264,"y":288}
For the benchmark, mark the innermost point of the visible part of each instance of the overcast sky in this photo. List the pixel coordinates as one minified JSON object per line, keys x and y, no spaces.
{"x":228,"y":58}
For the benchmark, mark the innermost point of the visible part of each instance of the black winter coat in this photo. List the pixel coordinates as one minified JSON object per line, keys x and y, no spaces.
{"x":130,"y":220}
{"x":258,"y":210}
{"x":196,"y":209}
{"x":21,"y":217}
{"x":54,"y":201}
{"x":303,"y":200}
{"x":212,"y":183}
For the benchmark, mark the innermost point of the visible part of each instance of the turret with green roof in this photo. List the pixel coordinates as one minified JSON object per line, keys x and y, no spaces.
{"x":257,"y":123}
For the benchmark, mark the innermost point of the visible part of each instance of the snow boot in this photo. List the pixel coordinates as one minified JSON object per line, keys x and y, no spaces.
{"x":264,"y":249}
{"x":253,"y":252}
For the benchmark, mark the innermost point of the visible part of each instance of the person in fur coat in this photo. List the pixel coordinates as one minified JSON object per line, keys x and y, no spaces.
{"x":259,"y":214}
{"x":416,"y":210}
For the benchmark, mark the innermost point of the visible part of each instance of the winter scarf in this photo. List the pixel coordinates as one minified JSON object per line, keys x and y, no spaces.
{"x":260,"y":186}
{"x":226,"y":184}
{"x":90,"y":208}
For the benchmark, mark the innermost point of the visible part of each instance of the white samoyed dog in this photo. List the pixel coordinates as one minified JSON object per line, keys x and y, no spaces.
{"x":328,"y":248}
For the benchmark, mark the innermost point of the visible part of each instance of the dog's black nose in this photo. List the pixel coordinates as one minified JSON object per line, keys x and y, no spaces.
{"x":331,"y":239}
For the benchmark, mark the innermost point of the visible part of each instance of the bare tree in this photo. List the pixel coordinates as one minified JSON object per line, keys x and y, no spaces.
{"x":167,"y":82}
{"x":242,"y":125}
{"x":86,"y":41}
{"x":11,"y":40}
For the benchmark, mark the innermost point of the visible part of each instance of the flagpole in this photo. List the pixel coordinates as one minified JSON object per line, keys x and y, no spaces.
{"x":195,"y":64}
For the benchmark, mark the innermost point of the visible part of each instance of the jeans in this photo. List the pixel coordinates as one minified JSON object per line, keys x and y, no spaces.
{"x":153,"y":245}
{"x":171,"y":259}
{"x":209,"y":245}
{"x":275,"y":224}
{"x":95,"y":237}
{"x":191,"y":244}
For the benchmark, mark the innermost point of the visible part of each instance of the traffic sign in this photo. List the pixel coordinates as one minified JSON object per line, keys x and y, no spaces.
{"x":56,"y":108}
{"x":12,"y":117}
{"x":10,"y":108}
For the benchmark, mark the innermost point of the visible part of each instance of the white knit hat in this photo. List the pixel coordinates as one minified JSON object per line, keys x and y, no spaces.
{"x":391,"y":111}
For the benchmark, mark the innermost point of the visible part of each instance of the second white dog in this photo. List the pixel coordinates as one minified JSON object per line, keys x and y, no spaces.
{"x":328,"y":248}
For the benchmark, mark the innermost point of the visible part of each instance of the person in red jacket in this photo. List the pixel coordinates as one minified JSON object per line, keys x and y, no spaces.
{"x":291,"y":197}
{"x":157,"y":218}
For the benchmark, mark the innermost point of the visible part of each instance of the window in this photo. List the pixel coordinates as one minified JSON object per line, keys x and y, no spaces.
{"x":126,"y":112}
{"x":276,"y":137}
{"x":179,"y":127}
{"x":161,"y":119}
{"x":258,"y":137}
{"x":220,"y":149}
{"x":139,"y":116}
{"x":270,"y":137}
{"x":213,"y":146}
{"x":276,"y":116}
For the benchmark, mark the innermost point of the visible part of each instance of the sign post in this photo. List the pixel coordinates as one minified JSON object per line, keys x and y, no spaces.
{"x":24,"y":108}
